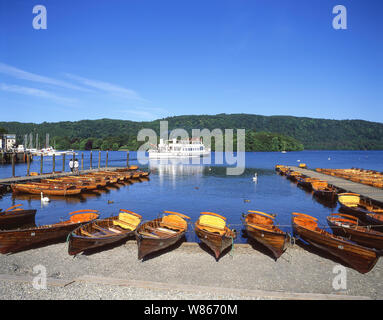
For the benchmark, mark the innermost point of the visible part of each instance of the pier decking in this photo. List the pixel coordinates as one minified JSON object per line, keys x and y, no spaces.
{"x":372,"y":193}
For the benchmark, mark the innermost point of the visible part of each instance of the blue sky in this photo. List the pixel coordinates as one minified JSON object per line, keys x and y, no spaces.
{"x":144,"y":60}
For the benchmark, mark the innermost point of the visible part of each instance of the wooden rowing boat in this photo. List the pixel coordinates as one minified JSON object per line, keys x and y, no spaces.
{"x":305,"y":182}
{"x":260,"y":226}
{"x":322,"y":190}
{"x":102,"y":232}
{"x":52,"y":190}
{"x":160,"y":233}
{"x":293,"y":175}
{"x":21,"y":239}
{"x":77,"y":183}
{"x":15,"y":216}
{"x":358,"y":257}
{"x":375,"y":220}
{"x":211,"y":229}
{"x":352,"y":203}
{"x":348,"y":226}
{"x":110,"y":178}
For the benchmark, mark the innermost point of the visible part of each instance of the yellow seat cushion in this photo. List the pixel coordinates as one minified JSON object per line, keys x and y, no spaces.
{"x":212,"y":221}
{"x":349,"y":200}
{"x":127,"y":221}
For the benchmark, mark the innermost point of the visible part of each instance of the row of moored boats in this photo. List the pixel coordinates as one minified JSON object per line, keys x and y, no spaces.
{"x":359,"y":246}
{"x":78,"y":183}
{"x":368,"y":177}
{"x":357,"y":230}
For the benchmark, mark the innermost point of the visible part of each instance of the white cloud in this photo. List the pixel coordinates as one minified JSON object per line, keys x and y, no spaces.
{"x":21,"y":74}
{"x":107,"y":87}
{"x":36,"y":93}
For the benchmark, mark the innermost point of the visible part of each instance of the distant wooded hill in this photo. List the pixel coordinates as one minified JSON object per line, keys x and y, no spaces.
{"x":263,"y":133}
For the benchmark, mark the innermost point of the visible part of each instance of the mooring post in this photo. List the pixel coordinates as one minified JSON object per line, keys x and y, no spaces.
{"x":106,"y":161}
{"x":13,"y":164}
{"x":54,"y":163}
{"x":28,"y":164}
{"x":99,"y":159}
{"x":41,"y":163}
{"x":127,"y":159}
{"x":63,"y":162}
{"x":82,"y":161}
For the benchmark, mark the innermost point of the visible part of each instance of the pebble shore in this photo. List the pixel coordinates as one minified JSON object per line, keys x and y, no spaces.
{"x":188,"y":271}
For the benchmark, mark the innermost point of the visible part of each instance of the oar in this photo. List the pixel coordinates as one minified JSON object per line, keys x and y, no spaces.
{"x":271,"y":216}
{"x":13,"y":207}
{"x":131,"y":212}
{"x":178,"y":214}
{"x":214,"y":214}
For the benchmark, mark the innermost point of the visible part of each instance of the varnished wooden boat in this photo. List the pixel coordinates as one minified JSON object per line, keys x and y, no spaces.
{"x":358,"y":257}
{"x":110,"y":178}
{"x":352,"y":203}
{"x":21,"y":239}
{"x":16,"y":216}
{"x":103,"y":232}
{"x":322,"y":190}
{"x":375,"y":220}
{"x":305,"y":182}
{"x":348,"y":226}
{"x":293,"y":175}
{"x":77,"y":183}
{"x":160,"y":233}
{"x":46,"y":190}
{"x":117,"y":174}
{"x":211,"y":229}
{"x":260,"y":226}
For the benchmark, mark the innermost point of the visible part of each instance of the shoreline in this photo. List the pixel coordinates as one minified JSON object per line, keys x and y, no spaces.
{"x":188,"y":271}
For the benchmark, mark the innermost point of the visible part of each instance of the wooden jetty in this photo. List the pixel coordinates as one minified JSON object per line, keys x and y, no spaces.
{"x":371,"y":193}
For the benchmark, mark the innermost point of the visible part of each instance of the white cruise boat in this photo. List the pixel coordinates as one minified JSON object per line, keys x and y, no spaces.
{"x":50,"y":151}
{"x":179,"y":149}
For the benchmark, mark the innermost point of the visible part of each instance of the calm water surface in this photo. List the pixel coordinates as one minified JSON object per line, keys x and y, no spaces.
{"x":191,"y":189}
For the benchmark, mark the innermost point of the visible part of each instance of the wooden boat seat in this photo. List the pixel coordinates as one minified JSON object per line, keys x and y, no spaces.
{"x":87,"y":233}
{"x":149,"y":234}
{"x":154,"y":232}
{"x":114,"y":230}
{"x":103,"y":230}
{"x":166,"y":230}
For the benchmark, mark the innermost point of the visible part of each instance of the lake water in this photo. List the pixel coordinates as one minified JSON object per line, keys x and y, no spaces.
{"x":191,"y":188}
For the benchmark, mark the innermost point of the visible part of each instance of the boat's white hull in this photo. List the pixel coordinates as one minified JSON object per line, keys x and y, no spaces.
{"x":168,"y":155}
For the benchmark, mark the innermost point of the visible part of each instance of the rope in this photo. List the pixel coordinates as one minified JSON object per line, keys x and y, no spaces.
{"x":231,"y":253}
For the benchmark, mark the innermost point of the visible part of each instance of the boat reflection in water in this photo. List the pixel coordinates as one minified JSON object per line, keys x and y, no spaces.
{"x":175,"y":168}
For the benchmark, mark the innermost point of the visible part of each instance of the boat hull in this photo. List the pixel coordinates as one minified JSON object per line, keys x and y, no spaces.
{"x":328,"y":195}
{"x":275,"y":242}
{"x":18,"y":240}
{"x":358,"y":257}
{"x":54,"y":192}
{"x":12,"y":219}
{"x":216,"y":242}
{"x":368,"y":239}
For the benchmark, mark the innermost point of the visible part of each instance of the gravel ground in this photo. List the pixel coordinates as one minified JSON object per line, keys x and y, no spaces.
{"x":297,"y":271}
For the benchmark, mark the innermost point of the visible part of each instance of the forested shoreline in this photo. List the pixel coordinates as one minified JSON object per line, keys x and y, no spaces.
{"x":263,"y":133}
